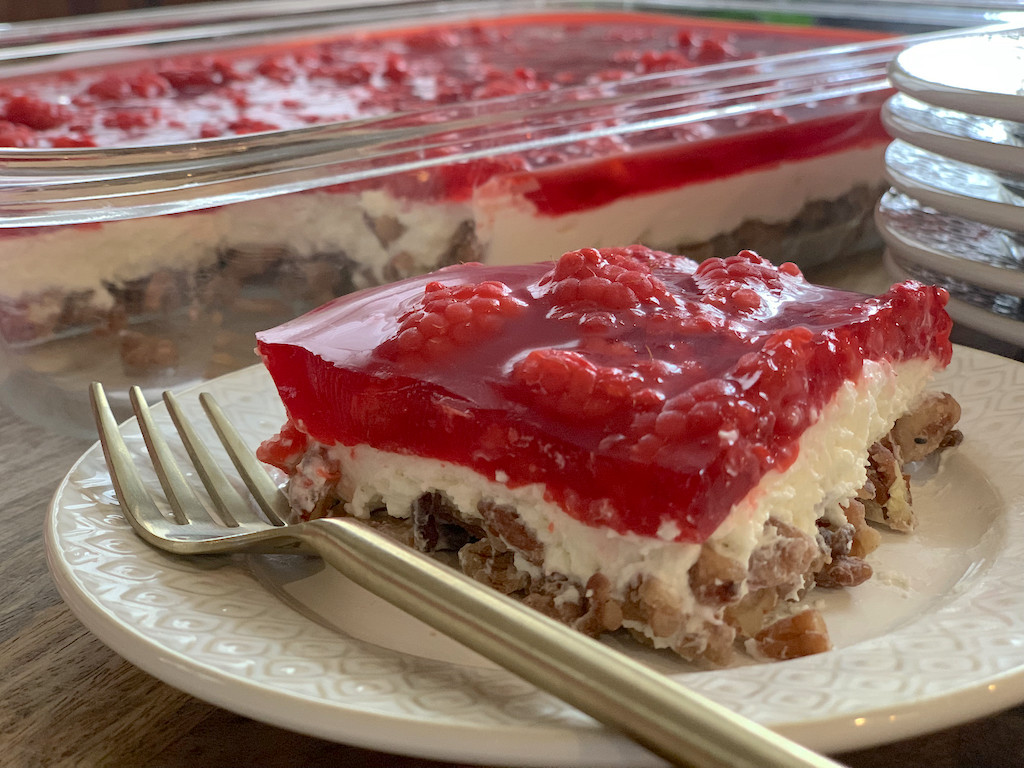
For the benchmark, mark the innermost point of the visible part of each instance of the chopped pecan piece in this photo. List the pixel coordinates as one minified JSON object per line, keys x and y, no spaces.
{"x":843,"y":571}
{"x":865,"y":538}
{"x":436,"y":526}
{"x":651,"y":602}
{"x":838,"y":539}
{"x":891,"y":504}
{"x":712,"y":646}
{"x":601,"y":613}
{"x":747,"y":616}
{"x":562,"y":599}
{"x":495,"y":569}
{"x":802,"y":634}
{"x":928,"y":427}
{"x":503,"y":523}
{"x":792,"y":555}
{"x":715,"y":579}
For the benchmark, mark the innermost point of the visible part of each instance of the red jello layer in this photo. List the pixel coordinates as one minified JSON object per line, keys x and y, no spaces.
{"x":638,"y":387}
{"x":351,"y":76}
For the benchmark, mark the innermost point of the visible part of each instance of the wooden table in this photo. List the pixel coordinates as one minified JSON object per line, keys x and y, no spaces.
{"x":65,"y":699}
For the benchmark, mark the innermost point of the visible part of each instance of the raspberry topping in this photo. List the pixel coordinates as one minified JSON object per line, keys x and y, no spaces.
{"x":416,"y":73}
{"x":576,"y":391}
{"x":735,"y":284}
{"x":357,"y":74}
{"x":640,"y":388}
{"x":449,"y":317}
{"x":36,"y":113}
{"x":612,"y":280}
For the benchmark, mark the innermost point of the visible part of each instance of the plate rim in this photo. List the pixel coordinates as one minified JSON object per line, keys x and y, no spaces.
{"x":1003,"y":158}
{"x":988,"y":103}
{"x":982,"y":274}
{"x":997,"y":213}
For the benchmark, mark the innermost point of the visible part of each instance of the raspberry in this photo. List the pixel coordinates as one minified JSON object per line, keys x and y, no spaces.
{"x":229,"y":72}
{"x":451,"y":316}
{"x":149,"y":85}
{"x":692,"y":320}
{"x":607,"y":289}
{"x":661,"y":61}
{"x":567,"y":384}
{"x":711,"y":416}
{"x":128,"y":119}
{"x":612,"y":279}
{"x":236,"y":96}
{"x":349,"y":74}
{"x":250,"y":125}
{"x":686,"y":38}
{"x":280,"y":69}
{"x":672,"y":425}
{"x":194,"y":78}
{"x":14,"y":135}
{"x":36,"y":113}
{"x":712,"y":51}
{"x":784,"y":353}
{"x":71,"y":141}
{"x":110,"y":88}
{"x":396,"y":69}
{"x":791,"y":420}
{"x":432,"y":40}
{"x":739,"y":283}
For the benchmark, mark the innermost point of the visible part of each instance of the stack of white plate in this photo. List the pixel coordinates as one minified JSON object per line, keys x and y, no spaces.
{"x":955,"y":213}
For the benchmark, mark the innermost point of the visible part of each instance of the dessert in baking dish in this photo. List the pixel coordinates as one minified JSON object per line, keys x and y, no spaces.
{"x":622,"y":438}
{"x":803,"y":173}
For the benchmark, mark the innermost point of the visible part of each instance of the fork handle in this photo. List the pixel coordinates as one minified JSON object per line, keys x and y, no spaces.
{"x":652,"y":709}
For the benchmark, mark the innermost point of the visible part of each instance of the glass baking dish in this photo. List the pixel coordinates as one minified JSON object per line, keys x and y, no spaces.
{"x":177,"y":179}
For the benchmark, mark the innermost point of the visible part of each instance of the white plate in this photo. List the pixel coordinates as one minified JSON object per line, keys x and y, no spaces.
{"x":936,"y":638}
{"x":983,"y":141}
{"x":981,"y":74}
{"x":985,"y":256}
{"x":954,"y":187}
{"x":999,"y":315}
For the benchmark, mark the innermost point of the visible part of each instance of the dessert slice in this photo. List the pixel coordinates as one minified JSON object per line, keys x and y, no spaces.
{"x":623,"y":438}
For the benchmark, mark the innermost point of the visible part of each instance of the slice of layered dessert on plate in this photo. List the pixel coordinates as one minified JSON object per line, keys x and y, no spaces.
{"x":623,"y":439}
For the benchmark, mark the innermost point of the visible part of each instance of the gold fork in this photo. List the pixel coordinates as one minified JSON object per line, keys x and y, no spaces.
{"x":650,"y":708}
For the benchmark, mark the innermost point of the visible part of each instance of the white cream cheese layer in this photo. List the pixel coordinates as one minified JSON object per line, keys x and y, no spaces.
{"x":83,"y":257}
{"x":831,"y":464}
{"x":694,"y":213}
{"x":829,"y":469}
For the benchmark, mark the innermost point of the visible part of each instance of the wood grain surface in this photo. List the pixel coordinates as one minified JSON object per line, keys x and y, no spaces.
{"x":67,"y":700}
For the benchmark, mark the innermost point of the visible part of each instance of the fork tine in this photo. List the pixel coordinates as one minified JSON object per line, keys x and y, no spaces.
{"x":233,"y":509}
{"x":270,"y":498}
{"x":140,"y":509}
{"x":184,"y":503}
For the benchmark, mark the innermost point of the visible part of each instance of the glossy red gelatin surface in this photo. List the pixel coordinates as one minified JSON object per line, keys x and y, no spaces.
{"x":390,"y":72}
{"x":640,"y":388}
